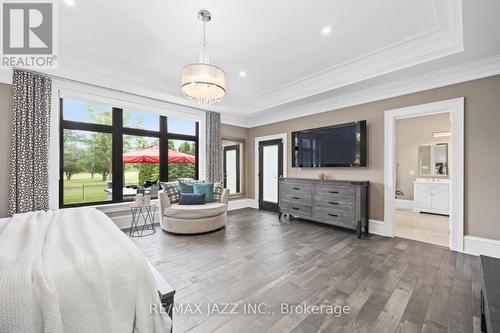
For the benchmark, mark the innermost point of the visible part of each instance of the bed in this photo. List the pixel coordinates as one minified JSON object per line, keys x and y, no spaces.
{"x":73,"y":270}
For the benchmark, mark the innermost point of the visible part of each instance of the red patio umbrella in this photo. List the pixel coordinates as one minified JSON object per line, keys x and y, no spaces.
{"x":152,"y":155}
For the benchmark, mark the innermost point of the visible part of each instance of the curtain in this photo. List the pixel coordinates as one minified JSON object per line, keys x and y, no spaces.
{"x":213,"y":147}
{"x":29,"y":176}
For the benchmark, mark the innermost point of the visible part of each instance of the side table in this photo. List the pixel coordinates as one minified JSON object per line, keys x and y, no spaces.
{"x":144,"y":214}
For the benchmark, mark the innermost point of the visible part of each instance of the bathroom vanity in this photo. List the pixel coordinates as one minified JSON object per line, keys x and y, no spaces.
{"x":431,"y":196}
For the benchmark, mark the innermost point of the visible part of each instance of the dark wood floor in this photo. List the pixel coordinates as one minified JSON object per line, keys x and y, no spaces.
{"x":391,"y":285}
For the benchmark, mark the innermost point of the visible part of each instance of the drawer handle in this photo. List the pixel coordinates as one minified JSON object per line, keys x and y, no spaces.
{"x":333,"y":203}
{"x":295,"y":208}
{"x":334,"y":215}
{"x":334,"y":192}
{"x":296,"y":198}
{"x":296,"y":188}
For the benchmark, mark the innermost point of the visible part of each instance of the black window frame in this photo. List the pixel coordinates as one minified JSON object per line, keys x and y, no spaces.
{"x":117,"y":130}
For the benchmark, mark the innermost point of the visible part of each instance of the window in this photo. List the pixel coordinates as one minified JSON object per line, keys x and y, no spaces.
{"x":182,"y":159}
{"x":181,"y":126}
{"x":141,"y":165}
{"x":86,"y":166}
{"x":108,"y":153}
{"x":141,"y":120}
{"x":87,"y":112}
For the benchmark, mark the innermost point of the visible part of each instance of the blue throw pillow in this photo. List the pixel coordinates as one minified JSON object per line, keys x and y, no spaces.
{"x":207,"y":188}
{"x":192,"y":199}
{"x":185,"y":187}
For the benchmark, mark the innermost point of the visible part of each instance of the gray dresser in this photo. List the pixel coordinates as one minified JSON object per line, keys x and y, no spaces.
{"x":339,"y":203}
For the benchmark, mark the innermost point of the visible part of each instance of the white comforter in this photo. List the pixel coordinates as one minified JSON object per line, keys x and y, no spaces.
{"x":73,"y":270}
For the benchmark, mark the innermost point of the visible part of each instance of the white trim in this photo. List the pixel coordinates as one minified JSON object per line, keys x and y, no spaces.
{"x":284,"y":137}
{"x":456,"y":109}
{"x":481,"y":246}
{"x":376,"y":227}
{"x":404,"y":204}
{"x":242,"y":203}
{"x":472,"y":70}
{"x":444,"y":39}
{"x":469,"y":71}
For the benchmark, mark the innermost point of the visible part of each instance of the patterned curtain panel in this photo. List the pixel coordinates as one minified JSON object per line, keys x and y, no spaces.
{"x":29,"y":176}
{"x":214,"y":147}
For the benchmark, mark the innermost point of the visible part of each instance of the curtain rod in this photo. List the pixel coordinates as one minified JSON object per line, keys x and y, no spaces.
{"x":52,"y":76}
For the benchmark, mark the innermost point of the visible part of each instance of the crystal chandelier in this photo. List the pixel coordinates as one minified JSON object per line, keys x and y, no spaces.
{"x":203,"y":83}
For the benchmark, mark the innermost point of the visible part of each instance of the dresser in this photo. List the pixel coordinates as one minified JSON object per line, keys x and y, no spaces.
{"x":334,"y":202}
{"x":431,"y":196}
{"x":490,"y":295}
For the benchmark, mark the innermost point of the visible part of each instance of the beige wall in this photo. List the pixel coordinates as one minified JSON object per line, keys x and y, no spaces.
{"x":482,"y":149}
{"x":410,"y":134}
{"x":5,"y":111}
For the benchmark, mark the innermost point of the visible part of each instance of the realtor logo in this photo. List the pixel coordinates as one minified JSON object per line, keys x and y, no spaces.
{"x":28,"y":34}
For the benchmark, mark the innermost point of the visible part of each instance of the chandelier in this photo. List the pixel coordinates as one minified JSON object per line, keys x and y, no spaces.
{"x":203,"y":83}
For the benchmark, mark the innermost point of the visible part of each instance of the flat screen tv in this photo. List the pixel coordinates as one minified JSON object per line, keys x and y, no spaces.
{"x":333,"y":146}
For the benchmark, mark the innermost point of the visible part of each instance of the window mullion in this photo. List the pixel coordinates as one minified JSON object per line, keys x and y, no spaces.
{"x":117,"y":155}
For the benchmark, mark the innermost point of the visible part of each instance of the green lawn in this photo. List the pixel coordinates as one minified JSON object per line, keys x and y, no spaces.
{"x":83,"y":188}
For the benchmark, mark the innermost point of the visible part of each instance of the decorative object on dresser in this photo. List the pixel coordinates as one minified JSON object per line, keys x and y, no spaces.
{"x":334,"y":202}
{"x":431,"y":196}
{"x":490,"y":295}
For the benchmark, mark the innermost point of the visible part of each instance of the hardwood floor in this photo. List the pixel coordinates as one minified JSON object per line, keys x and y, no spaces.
{"x":390,"y":285}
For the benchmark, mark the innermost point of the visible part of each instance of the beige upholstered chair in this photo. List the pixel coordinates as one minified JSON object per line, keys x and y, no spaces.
{"x":192,"y":219}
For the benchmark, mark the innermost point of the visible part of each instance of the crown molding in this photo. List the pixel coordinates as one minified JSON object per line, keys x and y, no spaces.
{"x":469,"y":71}
{"x":445,"y":39}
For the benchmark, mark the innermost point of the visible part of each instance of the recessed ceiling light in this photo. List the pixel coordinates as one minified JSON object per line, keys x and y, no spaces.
{"x":243,"y":73}
{"x":69,"y":2}
{"x":326,"y":30}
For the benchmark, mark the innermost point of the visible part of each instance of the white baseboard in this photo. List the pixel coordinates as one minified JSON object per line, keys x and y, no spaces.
{"x":376,"y":227}
{"x":242,"y":203}
{"x":481,"y":246}
{"x":404,"y":204}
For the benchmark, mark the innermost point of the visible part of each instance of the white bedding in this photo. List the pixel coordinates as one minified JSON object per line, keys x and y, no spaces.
{"x":73,"y":270}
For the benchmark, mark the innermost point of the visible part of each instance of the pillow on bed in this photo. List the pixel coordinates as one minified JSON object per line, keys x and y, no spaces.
{"x":172,"y":191}
{"x":192,"y":199}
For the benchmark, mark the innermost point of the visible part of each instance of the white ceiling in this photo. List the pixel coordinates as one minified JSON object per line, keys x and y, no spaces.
{"x":141,"y":46}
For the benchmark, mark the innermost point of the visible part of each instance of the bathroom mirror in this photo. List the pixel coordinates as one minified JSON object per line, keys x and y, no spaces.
{"x":433,"y":160}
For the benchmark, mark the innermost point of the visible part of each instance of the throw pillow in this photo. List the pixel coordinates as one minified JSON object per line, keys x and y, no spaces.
{"x":172,"y":191}
{"x":192,"y":199}
{"x":185,"y":187}
{"x":207,"y":188}
{"x":218,"y":188}
{"x":190,"y":180}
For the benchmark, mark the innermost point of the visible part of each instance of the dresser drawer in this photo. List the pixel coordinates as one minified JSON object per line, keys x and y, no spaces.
{"x":295,"y":188}
{"x":335,"y":217}
{"x":347,"y":209}
{"x":340,"y":194}
{"x":298,"y":197}
{"x":295,"y":208}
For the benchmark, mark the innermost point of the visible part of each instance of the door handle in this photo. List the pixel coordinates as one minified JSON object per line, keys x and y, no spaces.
{"x":333,"y":203}
{"x":334,"y":192}
{"x":334,"y":215}
{"x":296,"y":198}
{"x":295,"y":208}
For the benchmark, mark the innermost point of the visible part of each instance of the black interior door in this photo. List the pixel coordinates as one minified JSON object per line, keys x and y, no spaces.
{"x":270,"y":169}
